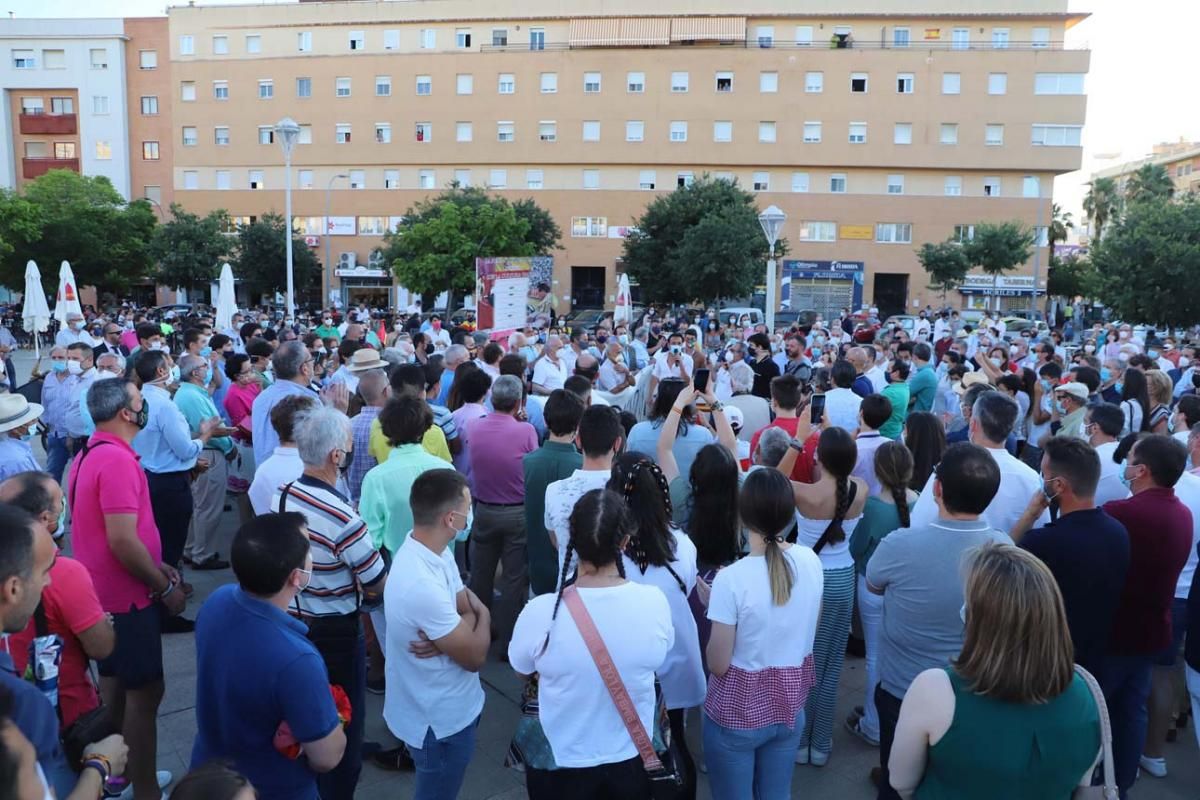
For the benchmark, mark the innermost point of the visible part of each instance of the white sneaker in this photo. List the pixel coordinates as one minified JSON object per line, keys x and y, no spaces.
{"x":162,"y":777}
{"x":802,"y":755}
{"x":1156,"y":767}
{"x":818,"y":759}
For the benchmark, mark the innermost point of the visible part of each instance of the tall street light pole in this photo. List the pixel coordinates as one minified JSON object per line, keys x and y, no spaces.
{"x":328,"y":266}
{"x":772,"y":224}
{"x":288,"y":132}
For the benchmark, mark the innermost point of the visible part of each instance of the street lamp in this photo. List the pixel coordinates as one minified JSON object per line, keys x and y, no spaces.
{"x":772,"y":223}
{"x":328,"y":266}
{"x":287,"y":131}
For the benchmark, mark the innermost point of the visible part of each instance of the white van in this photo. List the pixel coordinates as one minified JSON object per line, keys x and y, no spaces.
{"x":732,"y":315}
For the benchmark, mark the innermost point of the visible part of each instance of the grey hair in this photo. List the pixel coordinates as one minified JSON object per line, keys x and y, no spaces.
{"x":642,"y":332}
{"x":996,"y":414}
{"x":741,"y":377}
{"x":319,"y":432}
{"x":57,"y":349}
{"x":394,"y":356}
{"x":772,"y":447}
{"x":289,"y":359}
{"x":455,"y":353}
{"x":189,"y":364}
{"x":120,"y":359}
{"x":105,"y":399}
{"x":371,"y":384}
{"x":506,"y":393}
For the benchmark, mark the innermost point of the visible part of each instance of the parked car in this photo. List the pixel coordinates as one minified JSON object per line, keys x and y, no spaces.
{"x":736,"y":313}
{"x":906,"y":321}
{"x":584,"y":318}
{"x":803,"y":320}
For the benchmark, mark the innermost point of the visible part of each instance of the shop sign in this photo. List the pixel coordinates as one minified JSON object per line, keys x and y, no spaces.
{"x":340,"y":226}
{"x":866,"y":232}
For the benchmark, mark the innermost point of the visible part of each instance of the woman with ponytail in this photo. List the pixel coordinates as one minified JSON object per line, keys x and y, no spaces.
{"x":764,"y":610}
{"x":889,"y":510}
{"x":829,"y":510}
{"x":593,"y":754}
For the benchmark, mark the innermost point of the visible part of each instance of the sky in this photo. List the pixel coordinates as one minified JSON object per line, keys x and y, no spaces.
{"x":1139,"y":92}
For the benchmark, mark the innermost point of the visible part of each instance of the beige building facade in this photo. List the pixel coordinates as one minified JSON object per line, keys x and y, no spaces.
{"x":1180,"y":159}
{"x":875,"y":129}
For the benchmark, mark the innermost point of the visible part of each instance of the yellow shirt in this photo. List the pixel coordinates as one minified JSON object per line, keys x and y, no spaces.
{"x":434,"y":443}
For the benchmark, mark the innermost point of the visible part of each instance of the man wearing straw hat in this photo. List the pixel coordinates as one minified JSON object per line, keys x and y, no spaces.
{"x":18,"y":424}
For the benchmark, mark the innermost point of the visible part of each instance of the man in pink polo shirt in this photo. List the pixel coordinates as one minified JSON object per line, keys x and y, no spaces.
{"x":114,"y":536}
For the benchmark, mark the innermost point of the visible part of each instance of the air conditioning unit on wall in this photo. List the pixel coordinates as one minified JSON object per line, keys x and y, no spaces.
{"x":347,"y":260}
{"x":375,"y":259}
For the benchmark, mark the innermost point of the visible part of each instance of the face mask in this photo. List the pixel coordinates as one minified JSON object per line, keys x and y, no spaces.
{"x":142,"y":418}
{"x":307,"y":573}
{"x":1089,"y":348}
{"x":1153,"y":354}
{"x":59,"y":366}
{"x":1126,"y":481}
{"x":995,"y":362}
{"x":29,"y":434}
{"x":1045,"y":382}
{"x":623,"y":338}
{"x":77,"y":325}
{"x":103,"y":375}
{"x":1124,"y":334}
{"x":208,"y":376}
{"x":1119,"y":387}
{"x":174,"y":376}
{"x":347,"y":460}
{"x":158,"y":346}
{"x":1105,"y":373}
{"x":1184,"y":361}
{"x":205,"y":352}
{"x":1060,"y":406}
{"x":1171,"y":424}
{"x":328,"y":322}
{"x":74,"y":367}
{"x":461,"y":534}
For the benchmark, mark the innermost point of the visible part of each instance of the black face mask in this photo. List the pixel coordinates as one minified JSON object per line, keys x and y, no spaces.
{"x":345,"y":465}
{"x":143,"y":415}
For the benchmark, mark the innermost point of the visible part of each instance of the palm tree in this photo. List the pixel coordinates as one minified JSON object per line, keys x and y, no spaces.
{"x":1101,"y":203}
{"x":1149,"y":182}
{"x":1060,"y":223}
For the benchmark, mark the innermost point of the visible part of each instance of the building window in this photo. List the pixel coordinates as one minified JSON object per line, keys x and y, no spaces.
{"x":253,"y":43}
{"x":33,"y":105}
{"x":678,"y":131}
{"x":895,"y":184}
{"x":904,"y":83}
{"x":800,"y":182}
{"x":1058,"y":83}
{"x":54,"y":59}
{"x":768,"y":82}
{"x":533,"y":179}
{"x":1031,"y":186}
{"x":220,"y":90}
{"x":548,"y":131}
{"x":358,"y":40}
{"x":811,"y":231}
{"x":900,"y":37}
{"x":150,"y":151}
{"x":591,"y":130}
{"x":223,"y":180}
{"x":463,"y":132}
{"x":766,"y":132}
{"x":679,"y":82}
{"x":591,"y":83}
{"x":506,"y":83}
{"x":304,"y":41}
{"x":189,"y":137}
{"x":256,"y":179}
{"x":635,"y":130}
{"x":960,"y":39}
{"x":952,"y":187}
{"x":391,"y":40}
{"x":372,"y":226}
{"x":504,"y":131}
{"x":722,"y":131}
{"x":383,"y":85}
{"x":997,"y":82}
{"x":220,"y":45}
{"x":949,"y":133}
{"x":99,"y":58}
{"x":266,"y":90}
{"x":303,"y":87}
{"x":426,"y":179}
{"x":812,"y":132}
{"x":305,"y":135}
{"x":723,"y":175}
{"x":635,"y":82}
{"x":266,"y":134}
{"x":684,"y":179}
{"x":858,"y":133}
{"x":804,"y":34}
{"x":902,"y":133}
{"x":341,"y":87}
{"x":499,"y":37}
{"x":647,"y":179}
{"x":149,"y":105}
{"x":1040,"y":38}
{"x":814,"y":82}
{"x":991,"y":187}
{"x":66,"y":105}
{"x":100,"y":104}
{"x":537,"y":38}
{"x":383,"y":133}
{"x":423,"y":132}
{"x":428,"y":39}
{"x":191,"y":179}
{"x":462,"y":37}
{"x":424,"y":85}
{"x":1057,"y":135}
{"x":187,"y":45}
{"x":498,"y":178}
{"x":1000,"y":38}
{"x":858,"y":82}
{"x":589,"y":227}
{"x":765,"y":35}
{"x":221,"y":136}
{"x":951,"y":82}
{"x":549,"y":82}
{"x":342,"y":133}
{"x":761,"y":181}
{"x":591,"y":179}
{"x":391,"y":179}
{"x":187,"y":92}
{"x":304,"y":179}
{"x":724,"y":81}
{"x":837,"y":183}
{"x":464,"y":84}
{"x":993,"y":135}
{"x":358,"y":179}
{"x":963,"y":233}
{"x":893,"y":233}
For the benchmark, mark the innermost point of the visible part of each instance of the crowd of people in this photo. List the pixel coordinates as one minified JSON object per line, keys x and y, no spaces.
{"x":660,"y":523}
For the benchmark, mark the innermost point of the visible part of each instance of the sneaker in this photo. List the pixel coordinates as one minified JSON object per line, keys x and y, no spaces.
{"x":817,"y":758}
{"x":398,"y":759}
{"x":211,"y":563}
{"x":376,"y":685}
{"x":802,"y":755}
{"x":854,"y":725}
{"x":1156,"y":767}
{"x":178,"y":625}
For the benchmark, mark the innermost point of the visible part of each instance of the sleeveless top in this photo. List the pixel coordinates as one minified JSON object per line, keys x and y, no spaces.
{"x":1001,"y":750}
{"x":833,"y":555}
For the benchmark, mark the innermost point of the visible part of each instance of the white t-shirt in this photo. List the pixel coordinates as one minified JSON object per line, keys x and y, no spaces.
{"x":561,"y":497}
{"x":576,"y":710}
{"x":1187,"y":489}
{"x":769,"y":635}
{"x":682,"y":673}
{"x":1133,"y":416}
{"x":550,"y":375}
{"x":1018,"y":483}
{"x":663,"y":370}
{"x":421,"y":595}
{"x":1110,"y":486}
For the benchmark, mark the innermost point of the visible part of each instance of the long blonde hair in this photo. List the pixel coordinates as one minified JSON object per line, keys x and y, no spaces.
{"x":768,"y":507}
{"x":1017,"y":646}
{"x":1160,"y":387}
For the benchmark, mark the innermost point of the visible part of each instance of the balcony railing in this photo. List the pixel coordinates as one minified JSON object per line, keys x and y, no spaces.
{"x":47,"y":124}
{"x":36,"y":167}
{"x":750,"y":43}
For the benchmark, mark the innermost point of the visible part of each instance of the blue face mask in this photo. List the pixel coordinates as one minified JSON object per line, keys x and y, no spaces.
{"x":1126,"y":481}
{"x":58,"y":366}
{"x":205,"y":352}
{"x":1105,"y":373}
{"x":1120,"y":387}
{"x":174,"y":374}
{"x":461,"y":534}
{"x":1152,"y":353}
{"x":208,"y":376}
{"x":1060,"y":407}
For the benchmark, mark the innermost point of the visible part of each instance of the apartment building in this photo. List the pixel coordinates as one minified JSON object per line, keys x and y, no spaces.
{"x":1181,"y":159}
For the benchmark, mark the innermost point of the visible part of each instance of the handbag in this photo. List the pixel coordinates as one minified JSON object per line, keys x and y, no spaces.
{"x":666,"y":781}
{"x":1108,"y":790}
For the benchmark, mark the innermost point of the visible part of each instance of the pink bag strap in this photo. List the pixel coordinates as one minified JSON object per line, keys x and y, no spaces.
{"x":611,"y":678}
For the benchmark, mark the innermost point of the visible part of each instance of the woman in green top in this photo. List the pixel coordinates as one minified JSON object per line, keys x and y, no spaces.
{"x":883,"y":514}
{"x":1010,"y":717}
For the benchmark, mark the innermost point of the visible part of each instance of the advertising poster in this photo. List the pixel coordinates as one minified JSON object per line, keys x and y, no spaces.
{"x":502,"y":293}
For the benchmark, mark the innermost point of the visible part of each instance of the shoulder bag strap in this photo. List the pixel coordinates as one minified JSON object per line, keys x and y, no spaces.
{"x":1110,"y":780}
{"x":611,"y":678}
{"x":84,"y":449}
{"x":283,"y":496}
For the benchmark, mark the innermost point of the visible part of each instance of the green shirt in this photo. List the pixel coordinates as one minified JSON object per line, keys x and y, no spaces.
{"x":877,"y":521}
{"x":898,"y":393}
{"x":384,"y":501}
{"x":551,"y":462}
{"x":330,"y":332}
{"x":923,"y":386}
{"x":197,"y":406}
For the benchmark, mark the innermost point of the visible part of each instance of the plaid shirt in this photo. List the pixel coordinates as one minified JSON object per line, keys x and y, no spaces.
{"x":748,"y":700}
{"x":360,"y":425}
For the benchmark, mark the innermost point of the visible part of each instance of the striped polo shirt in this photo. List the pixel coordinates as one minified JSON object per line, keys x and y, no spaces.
{"x":343,"y":557}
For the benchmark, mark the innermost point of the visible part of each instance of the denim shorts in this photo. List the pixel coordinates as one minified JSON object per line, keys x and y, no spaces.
{"x":136,"y":660}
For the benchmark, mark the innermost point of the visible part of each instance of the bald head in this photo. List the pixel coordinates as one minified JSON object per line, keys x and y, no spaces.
{"x":858,"y":357}
{"x":37,"y":493}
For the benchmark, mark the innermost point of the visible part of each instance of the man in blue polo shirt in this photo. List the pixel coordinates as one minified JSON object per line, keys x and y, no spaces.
{"x":257,"y":670}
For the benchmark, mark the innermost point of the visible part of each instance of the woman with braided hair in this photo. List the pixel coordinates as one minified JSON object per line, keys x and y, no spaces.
{"x":889,"y":510}
{"x":829,"y":510}
{"x":659,"y":554}
{"x":594,"y":756}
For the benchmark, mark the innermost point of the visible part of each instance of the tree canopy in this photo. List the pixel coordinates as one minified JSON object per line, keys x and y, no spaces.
{"x":189,"y":248}
{"x":1101,"y":203}
{"x":998,"y":248}
{"x":1149,"y":182}
{"x":946,"y":264}
{"x":262,"y":257}
{"x":701,"y":242}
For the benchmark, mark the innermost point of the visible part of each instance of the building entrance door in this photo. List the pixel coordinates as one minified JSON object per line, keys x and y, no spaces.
{"x":587,"y":287}
{"x":891,"y":293}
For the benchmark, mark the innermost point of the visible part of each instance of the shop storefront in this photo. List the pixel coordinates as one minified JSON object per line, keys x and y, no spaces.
{"x":1015,"y":292}
{"x":365,"y":286}
{"x":823,"y":286}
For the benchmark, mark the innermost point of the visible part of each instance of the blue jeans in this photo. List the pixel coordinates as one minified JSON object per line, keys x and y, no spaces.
{"x":442,"y":763}
{"x":1126,"y":684}
{"x":751,"y":764}
{"x":56,"y":456}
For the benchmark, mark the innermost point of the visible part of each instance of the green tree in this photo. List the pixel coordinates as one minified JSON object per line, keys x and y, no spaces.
{"x":1060,"y":224}
{"x":946,"y":264}
{"x":700,"y":242}
{"x":84,"y":221}
{"x":189,"y":248}
{"x":544,"y":233}
{"x":20,"y":224}
{"x":998,"y":248}
{"x":1148,"y":261}
{"x":261,"y":260}
{"x":1101,"y":203}
{"x":1071,"y":277}
{"x":1149,"y":182}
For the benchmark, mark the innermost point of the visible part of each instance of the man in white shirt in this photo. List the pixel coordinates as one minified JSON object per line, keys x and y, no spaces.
{"x":615,"y":375}
{"x":841,"y":403}
{"x":941,"y":326}
{"x":877,"y":372}
{"x":756,"y":412}
{"x":74,"y":332}
{"x":671,"y":362}
{"x":284,"y":464}
{"x":1102,"y":425}
{"x":992,"y":419}
{"x":921,"y":329}
{"x":872,"y":414}
{"x":550,"y":371}
{"x":437,"y":638}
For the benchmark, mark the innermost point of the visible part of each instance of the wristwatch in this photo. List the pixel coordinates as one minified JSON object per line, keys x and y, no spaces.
{"x":716,"y":405}
{"x":796,"y":444}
